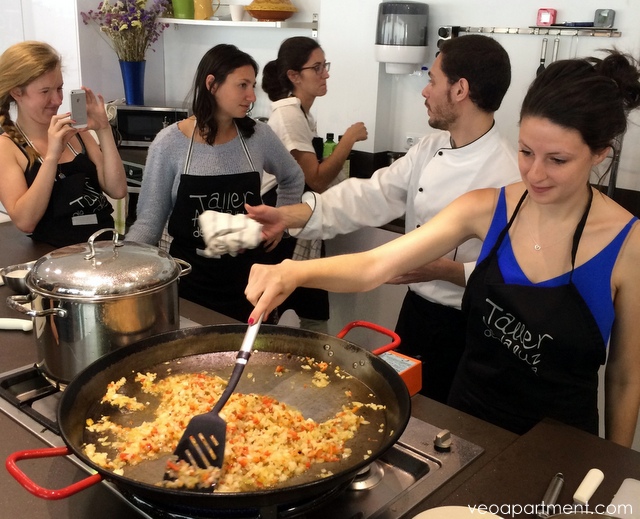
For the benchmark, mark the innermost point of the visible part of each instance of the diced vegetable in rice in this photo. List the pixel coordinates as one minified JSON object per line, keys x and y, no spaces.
{"x":267,"y":443}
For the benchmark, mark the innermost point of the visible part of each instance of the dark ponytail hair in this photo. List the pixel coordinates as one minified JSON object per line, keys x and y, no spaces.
{"x":220,"y":61}
{"x":292,"y":55}
{"x":593,"y":96}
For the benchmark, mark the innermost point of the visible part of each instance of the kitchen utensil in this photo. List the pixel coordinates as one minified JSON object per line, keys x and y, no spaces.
{"x":551,"y":495}
{"x":90,"y":299}
{"x":15,"y":277}
{"x":543,"y":56}
{"x":213,"y":348}
{"x":554,"y":54}
{"x":456,"y":512}
{"x":203,"y":441}
{"x":589,"y":485}
{"x":16,"y":324}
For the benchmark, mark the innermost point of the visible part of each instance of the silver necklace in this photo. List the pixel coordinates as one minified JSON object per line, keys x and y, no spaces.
{"x":536,"y":244}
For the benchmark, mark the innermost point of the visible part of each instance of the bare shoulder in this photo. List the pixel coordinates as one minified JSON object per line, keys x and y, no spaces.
{"x":479,"y":201}
{"x":626,"y":271}
{"x":9,"y":151}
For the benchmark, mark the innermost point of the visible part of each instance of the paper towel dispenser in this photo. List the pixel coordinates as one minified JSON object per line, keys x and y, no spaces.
{"x":401,"y":36}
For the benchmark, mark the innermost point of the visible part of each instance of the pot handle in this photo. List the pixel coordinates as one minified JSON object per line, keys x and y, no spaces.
{"x":18,"y":303}
{"x":376,"y":327}
{"x":93,"y":237}
{"x":37,"y":490}
{"x":184,"y":266}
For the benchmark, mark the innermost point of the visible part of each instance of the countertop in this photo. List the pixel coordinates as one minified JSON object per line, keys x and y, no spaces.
{"x":512,"y":470}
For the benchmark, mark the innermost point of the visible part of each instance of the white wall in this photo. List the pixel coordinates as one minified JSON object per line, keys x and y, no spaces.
{"x":51,"y":22}
{"x":399,"y":105}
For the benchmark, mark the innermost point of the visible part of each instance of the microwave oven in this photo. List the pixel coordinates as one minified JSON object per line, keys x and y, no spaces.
{"x":139,"y":125}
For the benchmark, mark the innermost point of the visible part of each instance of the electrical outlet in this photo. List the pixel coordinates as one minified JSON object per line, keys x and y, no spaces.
{"x":410,"y":139}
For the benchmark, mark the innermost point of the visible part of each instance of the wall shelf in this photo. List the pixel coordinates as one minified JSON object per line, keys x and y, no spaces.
{"x":551,"y":31}
{"x":287,"y":24}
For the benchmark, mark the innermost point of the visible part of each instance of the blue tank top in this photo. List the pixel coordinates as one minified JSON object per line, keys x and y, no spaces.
{"x":594,"y":288}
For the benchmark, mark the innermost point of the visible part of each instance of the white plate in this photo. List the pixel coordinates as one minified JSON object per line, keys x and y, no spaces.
{"x":455,"y":512}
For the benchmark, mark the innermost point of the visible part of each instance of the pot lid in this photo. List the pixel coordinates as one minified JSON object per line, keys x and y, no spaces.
{"x":102,"y":269}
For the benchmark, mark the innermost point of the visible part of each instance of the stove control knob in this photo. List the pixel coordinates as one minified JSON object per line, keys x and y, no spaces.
{"x":442,"y":443}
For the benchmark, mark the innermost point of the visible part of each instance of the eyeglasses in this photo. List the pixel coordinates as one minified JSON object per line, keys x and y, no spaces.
{"x":319,"y":68}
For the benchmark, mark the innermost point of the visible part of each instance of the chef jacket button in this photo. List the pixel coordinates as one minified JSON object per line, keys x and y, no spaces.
{"x":440,"y":153}
{"x":420,"y":189}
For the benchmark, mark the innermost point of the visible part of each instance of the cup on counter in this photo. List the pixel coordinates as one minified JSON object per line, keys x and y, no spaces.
{"x":238,"y":14}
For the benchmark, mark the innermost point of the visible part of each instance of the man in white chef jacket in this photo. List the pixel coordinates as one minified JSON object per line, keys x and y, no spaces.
{"x":468,"y":81}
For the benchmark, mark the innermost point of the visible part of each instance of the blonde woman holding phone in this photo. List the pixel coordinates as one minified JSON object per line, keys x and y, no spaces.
{"x":54,"y":175}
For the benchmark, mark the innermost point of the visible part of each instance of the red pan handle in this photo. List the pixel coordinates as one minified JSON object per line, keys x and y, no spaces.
{"x":376,"y":327}
{"x":37,"y":490}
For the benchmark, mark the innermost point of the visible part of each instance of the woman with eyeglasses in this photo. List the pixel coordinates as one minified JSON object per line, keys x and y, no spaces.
{"x":214,"y":160}
{"x":292,"y":82}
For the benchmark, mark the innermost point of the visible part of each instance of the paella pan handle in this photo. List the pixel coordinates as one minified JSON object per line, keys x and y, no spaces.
{"x":376,"y":327}
{"x":37,"y":490}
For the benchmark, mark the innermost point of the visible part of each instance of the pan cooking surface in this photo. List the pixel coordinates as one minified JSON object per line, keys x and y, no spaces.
{"x":278,"y":375}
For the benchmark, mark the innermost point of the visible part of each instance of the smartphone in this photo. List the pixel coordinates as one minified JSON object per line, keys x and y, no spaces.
{"x":79,"y":108}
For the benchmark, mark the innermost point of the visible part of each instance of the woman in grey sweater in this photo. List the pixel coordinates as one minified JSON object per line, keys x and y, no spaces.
{"x":213,"y":161}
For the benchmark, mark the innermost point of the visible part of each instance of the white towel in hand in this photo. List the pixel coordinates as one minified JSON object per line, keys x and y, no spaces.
{"x":225,"y":233}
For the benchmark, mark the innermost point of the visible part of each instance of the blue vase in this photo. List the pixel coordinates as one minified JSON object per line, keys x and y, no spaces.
{"x":133,"y":79}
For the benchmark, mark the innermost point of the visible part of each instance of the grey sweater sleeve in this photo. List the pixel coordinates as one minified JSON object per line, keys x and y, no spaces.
{"x":164,"y":165}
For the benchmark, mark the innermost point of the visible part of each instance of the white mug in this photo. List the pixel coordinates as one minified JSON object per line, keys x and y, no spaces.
{"x":237,"y":12}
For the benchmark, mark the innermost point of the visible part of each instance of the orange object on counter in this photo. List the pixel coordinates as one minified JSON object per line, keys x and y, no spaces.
{"x":408,"y":368}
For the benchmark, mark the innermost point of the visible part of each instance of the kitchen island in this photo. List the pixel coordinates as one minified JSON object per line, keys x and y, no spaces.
{"x":512,"y":471}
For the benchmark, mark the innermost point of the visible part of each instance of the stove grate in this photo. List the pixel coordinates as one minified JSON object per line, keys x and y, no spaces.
{"x":25,"y":388}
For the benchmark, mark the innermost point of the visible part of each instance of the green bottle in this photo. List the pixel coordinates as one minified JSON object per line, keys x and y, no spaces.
{"x":329,"y":146}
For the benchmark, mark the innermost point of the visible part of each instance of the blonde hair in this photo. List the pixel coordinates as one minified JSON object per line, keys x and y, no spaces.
{"x":20,"y":65}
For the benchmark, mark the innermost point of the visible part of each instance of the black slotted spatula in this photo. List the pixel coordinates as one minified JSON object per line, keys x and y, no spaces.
{"x":203,"y":441}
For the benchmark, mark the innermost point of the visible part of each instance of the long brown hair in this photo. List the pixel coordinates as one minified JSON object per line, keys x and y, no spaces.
{"x":220,"y":61}
{"x":20,"y":65}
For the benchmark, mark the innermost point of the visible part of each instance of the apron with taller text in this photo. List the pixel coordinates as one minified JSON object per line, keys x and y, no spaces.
{"x":532,"y":352}
{"x":217,"y":283}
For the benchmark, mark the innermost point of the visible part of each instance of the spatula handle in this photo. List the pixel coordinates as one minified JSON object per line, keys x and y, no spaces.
{"x":241,"y":360}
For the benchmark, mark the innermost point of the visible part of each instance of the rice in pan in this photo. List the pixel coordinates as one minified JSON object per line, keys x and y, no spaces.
{"x":267,"y":441}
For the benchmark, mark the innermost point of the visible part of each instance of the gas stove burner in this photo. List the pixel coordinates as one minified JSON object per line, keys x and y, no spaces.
{"x":368,"y":477}
{"x":34,"y":394}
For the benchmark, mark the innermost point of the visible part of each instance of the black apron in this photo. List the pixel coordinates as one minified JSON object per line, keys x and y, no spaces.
{"x":531,"y":352}
{"x":216,"y":283}
{"x":77,"y":207}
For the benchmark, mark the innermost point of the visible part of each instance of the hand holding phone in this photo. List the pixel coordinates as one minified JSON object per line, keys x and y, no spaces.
{"x":79,"y":108}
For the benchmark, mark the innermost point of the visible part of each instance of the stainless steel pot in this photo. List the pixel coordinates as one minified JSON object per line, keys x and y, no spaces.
{"x":90,"y":299}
